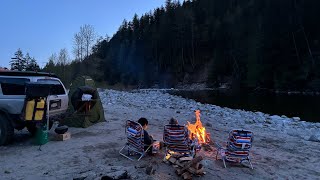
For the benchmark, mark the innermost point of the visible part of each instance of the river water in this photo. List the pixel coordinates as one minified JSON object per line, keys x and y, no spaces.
{"x":303,"y":106}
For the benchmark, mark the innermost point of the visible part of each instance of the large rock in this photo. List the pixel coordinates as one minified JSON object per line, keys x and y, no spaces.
{"x":314,"y":138}
{"x":296,"y":118}
{"x":268,"y":121}
{"x":249,"y":121}
{"x":276,"y":118}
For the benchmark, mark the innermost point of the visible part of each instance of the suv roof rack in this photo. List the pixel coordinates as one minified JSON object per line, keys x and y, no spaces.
{"x":26,"y":73}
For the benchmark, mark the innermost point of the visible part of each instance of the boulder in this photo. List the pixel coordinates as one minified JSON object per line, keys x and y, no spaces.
{"x":275,"y":117}
{"x":249,"y":121}
{"x":314,"y":138}
{"x":296,"y":118}
{"x":268,"y":121}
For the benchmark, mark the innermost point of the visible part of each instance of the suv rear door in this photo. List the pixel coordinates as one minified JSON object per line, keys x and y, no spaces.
{"x":58,"y":99}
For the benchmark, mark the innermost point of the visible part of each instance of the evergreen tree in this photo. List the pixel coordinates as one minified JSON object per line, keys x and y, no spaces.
{"x":33,"y":65}
{"x":18,"y":62}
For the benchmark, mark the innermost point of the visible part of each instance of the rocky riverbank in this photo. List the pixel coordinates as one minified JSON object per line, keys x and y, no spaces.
{"x":158,"y":99}
{"x":283,"y":148}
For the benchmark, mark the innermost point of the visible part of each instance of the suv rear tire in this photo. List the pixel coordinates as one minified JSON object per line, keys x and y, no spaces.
{"x":6,"y":130}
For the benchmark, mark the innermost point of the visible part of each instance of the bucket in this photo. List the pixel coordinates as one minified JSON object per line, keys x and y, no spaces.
{"x":41,"y":137}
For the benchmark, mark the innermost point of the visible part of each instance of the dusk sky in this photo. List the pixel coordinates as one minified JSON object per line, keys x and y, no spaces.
{"x":44,"y":27}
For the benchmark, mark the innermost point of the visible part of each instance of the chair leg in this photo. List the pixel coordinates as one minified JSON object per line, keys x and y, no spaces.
{"x":194,"y":153}
{"x":224,"y":162}
{"x":141,"y":156}
{"x":122,"y":149}
{"x":144,"y":152}
{"x":120,"y":152}
{"x":222,"y":157}
{"x":217,"y":154}
{"x":250,"y":163}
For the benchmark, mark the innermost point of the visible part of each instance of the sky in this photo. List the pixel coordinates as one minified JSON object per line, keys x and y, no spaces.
{"x":43,"y":27}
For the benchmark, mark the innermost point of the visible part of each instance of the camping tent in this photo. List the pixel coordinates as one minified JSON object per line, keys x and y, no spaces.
{"x":81,"y":113}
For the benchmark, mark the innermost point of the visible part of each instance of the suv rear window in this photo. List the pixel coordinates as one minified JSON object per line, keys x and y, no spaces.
{"x":57,"y":88}
{"x":13,"y":86}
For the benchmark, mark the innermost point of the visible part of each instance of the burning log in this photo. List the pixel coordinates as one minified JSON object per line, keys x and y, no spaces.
{"x":198,"y":131}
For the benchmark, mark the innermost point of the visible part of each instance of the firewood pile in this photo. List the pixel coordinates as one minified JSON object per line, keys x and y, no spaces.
{"x":186,"y":167}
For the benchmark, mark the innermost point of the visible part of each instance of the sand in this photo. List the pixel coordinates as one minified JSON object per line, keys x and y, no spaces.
{"x":283,"y":148}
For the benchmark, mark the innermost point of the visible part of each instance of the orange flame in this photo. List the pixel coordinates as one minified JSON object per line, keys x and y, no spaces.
{"x":197,"y":130}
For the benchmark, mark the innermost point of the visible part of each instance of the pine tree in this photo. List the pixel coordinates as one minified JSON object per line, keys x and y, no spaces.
{"x":18,"y":62}
{"x":33,"y":65}
{"x":28,"y":60}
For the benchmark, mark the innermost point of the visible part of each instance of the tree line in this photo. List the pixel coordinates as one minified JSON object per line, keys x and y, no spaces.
{"x":21,"y":62}
{"x":246,"y":44}
{"x":67,"y":68}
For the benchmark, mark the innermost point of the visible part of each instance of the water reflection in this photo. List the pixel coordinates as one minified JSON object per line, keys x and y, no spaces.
{"x":305,"y":107}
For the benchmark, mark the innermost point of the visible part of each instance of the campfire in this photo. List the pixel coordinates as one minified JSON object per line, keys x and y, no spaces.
{"x":186,"y":167}
{"x":197,"y":131}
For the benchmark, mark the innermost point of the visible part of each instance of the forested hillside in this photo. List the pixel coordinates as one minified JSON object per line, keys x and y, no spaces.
{"x":250,"y":44}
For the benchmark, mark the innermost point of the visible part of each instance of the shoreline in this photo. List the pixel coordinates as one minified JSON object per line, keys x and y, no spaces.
{"x":204,"y":87}
{"x":283,"y":148}
{"x":202,"y":95}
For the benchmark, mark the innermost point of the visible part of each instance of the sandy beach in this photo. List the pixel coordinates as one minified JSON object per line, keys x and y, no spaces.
{"x":283,"y":148}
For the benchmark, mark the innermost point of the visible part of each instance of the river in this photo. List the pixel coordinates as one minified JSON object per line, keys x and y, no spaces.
{"x":303,"y":106}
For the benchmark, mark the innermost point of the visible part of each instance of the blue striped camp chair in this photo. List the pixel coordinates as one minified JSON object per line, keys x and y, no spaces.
{"x":177,"y":140}
{"x":238,"y":147}
{"x":135,"y":141}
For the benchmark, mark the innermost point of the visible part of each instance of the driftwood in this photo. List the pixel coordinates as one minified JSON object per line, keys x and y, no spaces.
{"x":185,"y":159}
{"x":193,"y":162}
{"x":186,"y":167}
{"x":186,"y":175}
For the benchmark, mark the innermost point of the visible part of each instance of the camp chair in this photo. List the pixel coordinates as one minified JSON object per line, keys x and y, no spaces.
{"x":238,"y":147}
{"x":135,"y":140}
{"x":177,"y":140}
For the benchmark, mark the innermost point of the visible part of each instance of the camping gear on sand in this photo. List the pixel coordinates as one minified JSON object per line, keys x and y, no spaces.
{"x":61,"y":129}
{"x":238,"y":147}
{"x":41,"y":136}
{"x":85,"y":107}
{"x":155,"y":147}
{"x":36,"y":109}
{"x":135,"y":141}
